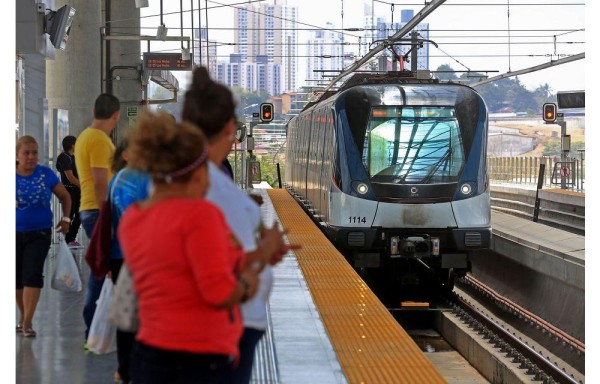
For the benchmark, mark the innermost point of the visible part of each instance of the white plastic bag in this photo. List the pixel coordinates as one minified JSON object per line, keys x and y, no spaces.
{"x":66,"y":274}
{"x":102,"y":337}
{"x":123,"y":311}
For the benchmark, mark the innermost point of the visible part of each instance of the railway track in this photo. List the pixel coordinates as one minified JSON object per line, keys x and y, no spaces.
{"x":532,"y":348}
{"x":537,"y":361}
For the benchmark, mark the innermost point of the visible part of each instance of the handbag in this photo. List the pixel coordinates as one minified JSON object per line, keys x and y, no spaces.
{"x":98,"y":251}
{"x":66,"y":274}
{"x":123,"y":312}
{"x":102,"y":337}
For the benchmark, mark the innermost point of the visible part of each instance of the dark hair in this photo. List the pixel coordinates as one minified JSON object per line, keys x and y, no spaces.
{"x":208,"y":104}
{"x":119,"y":162}
{"x":105,"y":106}
{"x":68,"y":142}
{"x":160,"y":146}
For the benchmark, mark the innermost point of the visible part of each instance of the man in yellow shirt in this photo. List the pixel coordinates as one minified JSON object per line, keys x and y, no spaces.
{"x":94,"y":151}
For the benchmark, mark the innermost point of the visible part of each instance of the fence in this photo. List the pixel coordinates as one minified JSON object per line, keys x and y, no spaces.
{"x":525,"y":170}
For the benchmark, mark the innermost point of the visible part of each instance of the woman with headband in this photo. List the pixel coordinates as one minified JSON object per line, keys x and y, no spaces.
{"x":210,"y":106}
{"x":187,"y":268}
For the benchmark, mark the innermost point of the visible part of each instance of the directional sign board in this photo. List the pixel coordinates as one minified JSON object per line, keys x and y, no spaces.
{"x":166,"y":61}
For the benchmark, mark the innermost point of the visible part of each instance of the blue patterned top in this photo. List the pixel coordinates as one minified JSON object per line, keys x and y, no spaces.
{"x":127,"y":187}
{"x":34,"y":193}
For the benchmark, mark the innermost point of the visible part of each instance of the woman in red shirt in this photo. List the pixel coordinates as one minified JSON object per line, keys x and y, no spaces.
{"x":188,"y":269}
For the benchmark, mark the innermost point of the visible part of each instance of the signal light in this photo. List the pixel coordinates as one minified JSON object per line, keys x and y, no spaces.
{"x":549,"y":112}
{"x":266,"y":112}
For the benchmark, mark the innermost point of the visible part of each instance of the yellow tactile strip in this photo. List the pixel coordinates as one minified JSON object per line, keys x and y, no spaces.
{"x":370,"y":345}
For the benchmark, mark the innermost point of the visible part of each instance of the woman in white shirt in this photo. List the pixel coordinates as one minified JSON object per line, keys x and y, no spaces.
{"x":211,"y":107}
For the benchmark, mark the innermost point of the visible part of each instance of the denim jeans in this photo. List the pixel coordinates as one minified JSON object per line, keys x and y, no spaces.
{"x":243,"y":372}
{"x":94,"y":286}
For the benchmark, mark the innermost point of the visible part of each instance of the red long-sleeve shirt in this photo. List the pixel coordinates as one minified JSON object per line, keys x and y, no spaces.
{"x":183,"y":259}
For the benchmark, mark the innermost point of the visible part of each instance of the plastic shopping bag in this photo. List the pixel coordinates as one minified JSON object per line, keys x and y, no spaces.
{"x":102,"y":337}
{"x":123,"y":311}
{"x":66,"y":274}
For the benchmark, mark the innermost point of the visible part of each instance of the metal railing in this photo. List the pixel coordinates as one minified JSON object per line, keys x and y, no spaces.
{"x":525,"y":170}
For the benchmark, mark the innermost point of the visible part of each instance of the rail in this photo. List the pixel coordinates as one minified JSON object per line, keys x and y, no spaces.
{"x":524,"y":170}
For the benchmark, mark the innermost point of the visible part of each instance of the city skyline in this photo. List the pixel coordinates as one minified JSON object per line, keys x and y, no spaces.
{"x":472,"y":37}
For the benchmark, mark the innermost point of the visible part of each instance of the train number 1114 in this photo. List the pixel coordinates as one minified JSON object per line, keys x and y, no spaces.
{"x":357,"y":219}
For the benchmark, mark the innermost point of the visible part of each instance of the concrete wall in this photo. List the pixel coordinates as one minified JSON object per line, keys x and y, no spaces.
{"x":73,"y":77}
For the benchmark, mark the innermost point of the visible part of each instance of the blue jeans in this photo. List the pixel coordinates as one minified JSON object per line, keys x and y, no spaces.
{"x":243,"y":372}
{"x":94,"y":286}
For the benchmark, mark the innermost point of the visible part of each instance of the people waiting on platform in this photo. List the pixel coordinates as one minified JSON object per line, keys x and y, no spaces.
{"x":65,"y":164}
{"x":126,"y":187}
{"x":35,"y":185}
{"x":188,"y":269}
{"x":94,"y":152}
{"x":211,"y":107}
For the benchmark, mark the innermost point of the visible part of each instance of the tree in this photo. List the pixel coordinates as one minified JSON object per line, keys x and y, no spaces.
{"x":444,"y":75}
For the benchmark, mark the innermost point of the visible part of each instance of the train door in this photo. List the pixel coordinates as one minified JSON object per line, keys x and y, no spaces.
{"x":326,"y":173}
{"x":318,"y":160}
{"x":313,"y":161}
{"x":305,"y":133}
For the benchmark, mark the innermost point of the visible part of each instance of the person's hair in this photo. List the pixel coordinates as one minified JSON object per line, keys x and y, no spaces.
{"x":105,"y":106}
{"x":25,"y":140}
{"x":208,"y":104}
{"x":118,"y":161}
{"x":162,"y":147}
{"x":68,"y":142}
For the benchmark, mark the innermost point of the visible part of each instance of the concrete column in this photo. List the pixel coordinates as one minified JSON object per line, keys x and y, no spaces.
{"x":73,"y":77}
{"x":126,"y":82}
{"x":34,"y":122}
{"x":76,"y":76}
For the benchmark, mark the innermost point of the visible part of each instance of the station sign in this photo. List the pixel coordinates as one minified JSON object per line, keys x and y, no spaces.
{"x":166,"y":62}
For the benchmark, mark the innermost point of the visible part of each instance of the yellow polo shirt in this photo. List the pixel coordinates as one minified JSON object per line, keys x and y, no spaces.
{"x":93,"y":149}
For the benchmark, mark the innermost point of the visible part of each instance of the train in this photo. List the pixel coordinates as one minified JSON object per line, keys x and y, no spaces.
{"x":393,"y":169}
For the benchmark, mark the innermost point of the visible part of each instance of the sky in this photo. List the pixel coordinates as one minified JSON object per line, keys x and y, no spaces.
{"x":462,"y":29}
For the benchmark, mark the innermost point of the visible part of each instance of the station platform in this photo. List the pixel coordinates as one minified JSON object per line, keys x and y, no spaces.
{"x":300,"y":345}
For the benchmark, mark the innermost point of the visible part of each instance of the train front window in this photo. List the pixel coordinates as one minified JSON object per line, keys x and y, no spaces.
{"x":413,"y":145}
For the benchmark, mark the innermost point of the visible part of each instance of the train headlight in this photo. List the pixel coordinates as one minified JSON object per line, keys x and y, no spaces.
{"x":465,"y":189}
{"x":362,"y":188}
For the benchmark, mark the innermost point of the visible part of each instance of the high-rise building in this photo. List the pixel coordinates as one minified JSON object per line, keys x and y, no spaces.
{"x":324,"y":52}
{"x":269,"y":30}
{"x":205,"y":49}
{"x":384,"y":29}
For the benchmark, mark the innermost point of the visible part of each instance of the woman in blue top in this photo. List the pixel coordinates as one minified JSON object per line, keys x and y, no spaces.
{"x":35,"y":186}
{"x":126,"y":187}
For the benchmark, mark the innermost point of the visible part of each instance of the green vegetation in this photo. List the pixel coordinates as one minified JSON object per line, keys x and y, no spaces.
{"x":552,"y":148}
{"x":506,"y":95}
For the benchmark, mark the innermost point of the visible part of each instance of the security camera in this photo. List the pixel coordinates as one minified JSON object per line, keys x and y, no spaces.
{"x":41,"y":7}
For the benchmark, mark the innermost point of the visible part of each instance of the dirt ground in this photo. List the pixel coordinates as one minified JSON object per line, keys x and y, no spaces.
{"x":544,"y":133}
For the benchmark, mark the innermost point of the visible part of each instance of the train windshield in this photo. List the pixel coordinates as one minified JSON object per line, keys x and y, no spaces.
{"x":413,"y":145}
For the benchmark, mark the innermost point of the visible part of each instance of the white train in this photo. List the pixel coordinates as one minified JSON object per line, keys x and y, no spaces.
{"x":394,"y":170}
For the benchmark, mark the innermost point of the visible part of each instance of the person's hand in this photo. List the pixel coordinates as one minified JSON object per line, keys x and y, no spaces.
{"x":63,"y":226}
{"x":278,"y":256}
{"x":257,"y":198}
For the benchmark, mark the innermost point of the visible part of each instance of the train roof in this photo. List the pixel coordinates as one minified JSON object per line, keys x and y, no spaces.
{"x":360,"y":79}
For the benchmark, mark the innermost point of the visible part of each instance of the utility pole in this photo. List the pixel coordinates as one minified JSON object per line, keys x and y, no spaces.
{"x":413,"y":55}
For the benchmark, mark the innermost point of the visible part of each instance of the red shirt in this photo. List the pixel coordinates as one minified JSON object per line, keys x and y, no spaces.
{"x":183,"y":259}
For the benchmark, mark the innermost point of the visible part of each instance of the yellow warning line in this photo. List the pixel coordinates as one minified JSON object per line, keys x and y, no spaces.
{"x":370,"y":345}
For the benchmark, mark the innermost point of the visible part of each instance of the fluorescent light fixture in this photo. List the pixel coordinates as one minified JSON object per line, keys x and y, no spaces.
{"x":58,"y":25}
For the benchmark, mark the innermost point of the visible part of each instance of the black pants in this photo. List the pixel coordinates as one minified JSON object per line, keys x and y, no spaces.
{"x":125,"y":340}
{"x":32,"y":248}
{"x":158,"y":366}
{"x":75,"y":194}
